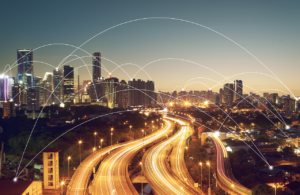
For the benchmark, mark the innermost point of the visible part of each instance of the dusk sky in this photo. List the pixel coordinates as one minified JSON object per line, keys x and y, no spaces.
{"x":270,"y":30}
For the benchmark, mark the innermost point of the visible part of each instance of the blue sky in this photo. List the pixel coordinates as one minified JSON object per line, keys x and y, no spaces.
{"x":268,"y":29}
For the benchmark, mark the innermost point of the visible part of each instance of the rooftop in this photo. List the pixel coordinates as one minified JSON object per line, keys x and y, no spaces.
{"x":9,"y":187}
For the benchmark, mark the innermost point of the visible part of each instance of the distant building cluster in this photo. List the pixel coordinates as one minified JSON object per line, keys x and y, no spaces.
{"x":62,"y":86}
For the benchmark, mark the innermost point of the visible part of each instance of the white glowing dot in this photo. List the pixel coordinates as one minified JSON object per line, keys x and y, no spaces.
{"x":271,"y":167}
{"x":97,"y":100}
{"x":15,"y":179}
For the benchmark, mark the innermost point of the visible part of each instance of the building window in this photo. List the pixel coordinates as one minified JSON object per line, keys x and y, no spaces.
{"x":50,"y":184}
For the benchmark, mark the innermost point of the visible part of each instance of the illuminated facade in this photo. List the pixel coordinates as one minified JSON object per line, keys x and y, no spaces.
{"x":68,"y":83}
{"x":3,"y":88}
{"x":58,"y":85}
{"x":25,"y":67}
{"x":51,"y":169}
{"x":111,"y":91}
{"x":238,"y":89}
{"x":96,"y":66}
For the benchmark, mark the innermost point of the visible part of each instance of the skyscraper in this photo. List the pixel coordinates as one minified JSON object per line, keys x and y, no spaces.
{"x":149,"y":93}
{"x":96,"y":66}
{"x":3,"y":88}
{"x":238,"y":89}
{"x":136,"y":92}
{"x":123,"y":94}
{"x":9,"y":109}
{"x":228,"y":93}
{"x":112,"y":92}
{"x":58,"y":85}
{"x":25,"y":67}
{"x":16,"y":94}
{"x":33,"y":100}
{"x":68,"y":83}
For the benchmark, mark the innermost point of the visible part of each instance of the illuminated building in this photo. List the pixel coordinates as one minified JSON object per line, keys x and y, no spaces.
{"x":136,"y":92}
{"x":58,"y":85}
{"x":96,"y":66}
{"x":111,"y":91}
{"x":33,"y":99}
{"x":51,"y":169}
{"x":228,"y":93}
{"x":182,"y":96}
{"x":149,"y":93}
{"x":210,"y":95}
{"x":123,"y":97}
{"x":16,"y":94}
{"x":68,"y":83}
{"x":25,"y":66}
{"x":3,"y":88}
{"x":238,"y":89}
{"x":9,"y":109}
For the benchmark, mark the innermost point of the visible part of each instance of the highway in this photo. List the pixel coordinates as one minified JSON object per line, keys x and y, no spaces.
{"x":81,"y":177}
{"x":225,"y":177}
{"x":157,"y":170}
{"x":177,"y":160}
{"x":112,"y":176}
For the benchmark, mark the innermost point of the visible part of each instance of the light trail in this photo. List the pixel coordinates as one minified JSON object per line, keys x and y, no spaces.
{"x":112,"y":176}
{"x":160,"y":176}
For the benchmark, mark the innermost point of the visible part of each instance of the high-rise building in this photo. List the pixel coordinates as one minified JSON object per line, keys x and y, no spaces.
{"x":33,"y":99}
{"x":68,"y":83}
{"x":238,"y":89}
{"x":58,"y":85}
{"x":96,"y":66}
{"x":182,"y":97}
{"x":136,"y":92}
{"x":4,"y":88}
{"x":221,"y":96}
{"x":266,"y":95}
{"x":25,"y":67}
{"x":228,"y":93}
{"x":123,"y":94}
{"x":112,"y":92}
{"x":9,"y":109}
{"x":17,"y":94}
{"x":11,"y":82}
{"x":149,"y":93}
{"x":210,"y":96}
{"x":51,"y":168}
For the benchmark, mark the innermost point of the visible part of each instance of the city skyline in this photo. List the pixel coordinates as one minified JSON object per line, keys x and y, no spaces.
{"x":138,"y":42}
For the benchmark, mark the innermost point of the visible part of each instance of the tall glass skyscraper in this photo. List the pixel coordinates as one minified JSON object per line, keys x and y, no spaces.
{"x":68,"y":83}
{"x":96,"y":66}
{"x":25,"y":67}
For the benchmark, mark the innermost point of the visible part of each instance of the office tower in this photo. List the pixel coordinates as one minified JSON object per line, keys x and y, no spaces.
{"x":47,"y":94}
{"x":95,"y":90}
{"x":149,"y":93}
{"x":136,"y":92}
{"x":25,"y":67}
{"x":191,"y":96}
{"x":123,"y":94}
{"x":48,"y":77}
{"x":3,"y":88}
{"x":51,"y":169}
{"x":112,"y":92}
{"x":228,"y":93}
{"x":58,"y":85}
{"x":9,"y":109}
{"x":16,"y":94}
{"x":96,"y":66}
{"x":289,"y":104}
{"x":266,"y":96}
{"x":68,"y":83}
{"x":33,"y":100}
{"x":37,"y":80}
{"x":11,"y":82}
{"x":273,"y":98}
{"x":210,"y":96}
{"x":221,"y":96}
{"x":238,"y":89}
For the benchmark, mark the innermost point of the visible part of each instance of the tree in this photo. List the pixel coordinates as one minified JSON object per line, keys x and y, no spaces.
{"x":262,"y":189}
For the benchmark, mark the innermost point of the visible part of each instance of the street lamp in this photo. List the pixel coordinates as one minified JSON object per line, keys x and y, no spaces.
{"x":69,"y":157}
{"x":95,"y":134}
{"x":208,"y":178}
{"x":233,"y":187}
{"x":152,"y":128}
{"x":201,"y":174}
{"x":62,"y":185}
{"x":142,"y":175}
{"x":111,"y":134}
{"x":80,"y":142}
{"x":101,"y":143}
